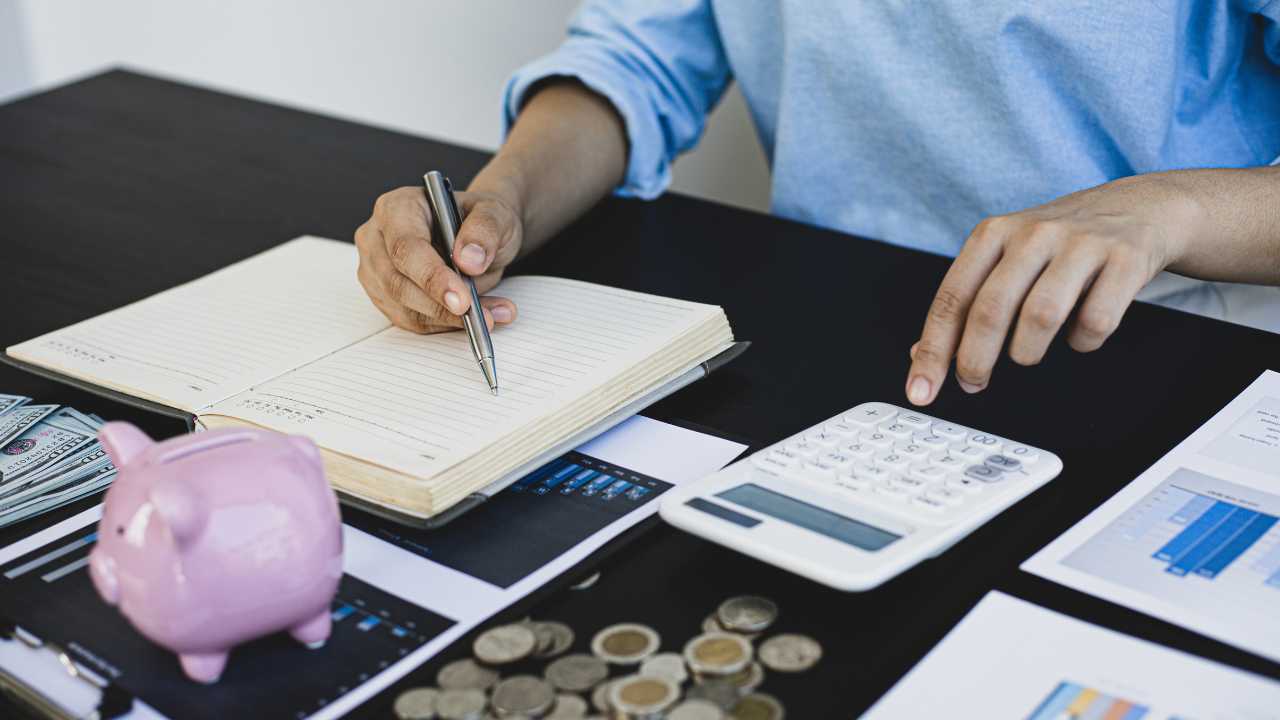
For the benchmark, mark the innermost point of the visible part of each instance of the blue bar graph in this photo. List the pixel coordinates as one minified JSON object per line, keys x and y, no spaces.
{"x":556,"y":478}
{"x":577,"y":481}
{"x":537,"y":475}
{"x":368,"y":623}
{"x":597,"y":485}
{"x":637,"y":492}
{"x":1235,"y":547}
{"x":1196,"y":530}
{"x":616,"y":489}
{"x":1211,"y":542}
{"x":1191,"y":510}
{"x":342,"y":612}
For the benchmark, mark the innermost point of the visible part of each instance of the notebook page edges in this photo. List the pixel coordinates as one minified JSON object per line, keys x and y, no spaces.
{"x":417,"y":404}
{"x":203,"y":341}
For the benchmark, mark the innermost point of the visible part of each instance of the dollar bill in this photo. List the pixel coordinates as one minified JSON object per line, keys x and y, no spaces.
{"x":45,"y":444}
{"x":13,"y":424}
{"x":45,"y":502}
{"x":85,"y":461}
{"x":9,"y":402}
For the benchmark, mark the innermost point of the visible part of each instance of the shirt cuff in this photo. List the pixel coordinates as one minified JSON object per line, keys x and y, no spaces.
{"x":648,"y":167}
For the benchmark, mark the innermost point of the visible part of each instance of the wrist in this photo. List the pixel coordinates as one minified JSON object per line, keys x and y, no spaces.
{"x":1181,"y":215}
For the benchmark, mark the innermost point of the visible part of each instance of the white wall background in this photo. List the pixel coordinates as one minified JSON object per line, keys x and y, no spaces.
{"x":363,"y":61}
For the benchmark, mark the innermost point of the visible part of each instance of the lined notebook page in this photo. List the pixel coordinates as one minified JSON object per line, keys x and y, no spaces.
{"x":204,"y":341}
{"x":418,"y":403}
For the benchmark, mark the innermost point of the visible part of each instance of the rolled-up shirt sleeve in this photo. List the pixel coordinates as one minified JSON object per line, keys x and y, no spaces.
{"x":659,"y":62}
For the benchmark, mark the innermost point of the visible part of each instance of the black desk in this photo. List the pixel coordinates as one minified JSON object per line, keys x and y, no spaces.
{"x":120,"y":186}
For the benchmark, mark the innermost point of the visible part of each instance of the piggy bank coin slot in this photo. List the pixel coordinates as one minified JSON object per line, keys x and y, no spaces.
{"x":207,"y":444}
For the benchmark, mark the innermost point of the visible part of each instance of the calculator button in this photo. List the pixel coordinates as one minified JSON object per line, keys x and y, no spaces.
{"x":852,"y":482}
{"x":877,"y":440}
{"x":910,"y":484}
{"x":943,"y":495}
{"x":965,"y":484}
{"x":870,"y":414}
{"x":1026,"y":454}
{"x":897,"y":431}
{"x":837,"y":460}
{"x":929,"y":473}
{"x":823,"y":439}
{"x":989,"y":443}
{"x":818,"y":470}
{"x":968,"y":453}
{"x":949,"y":463}
{"x":935,"y":443}
{"x":871,"y":473}
{"x":858,"y":451}
{"x":806,"y":450}
{"x":1004,"y":462}
{"x":954,"y":433}
{"x":915,"y":421}
{"x":775,"y":461}
{"x":849,"y":431}
{"x":929,"y":505}
{"x":912,"y":451}
{"x":893,"y":492}
{"x":985,"y":473}
{"x":892,"y":461}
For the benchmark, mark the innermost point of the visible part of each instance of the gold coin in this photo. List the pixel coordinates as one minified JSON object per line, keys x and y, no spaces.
{"x":639,"y":695}
{"x":625,"y":644}
{"x":758,"y":706}
{"x":717,"y":654}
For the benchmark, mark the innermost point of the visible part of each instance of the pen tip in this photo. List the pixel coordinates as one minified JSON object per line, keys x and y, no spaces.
{"x":494,"y":390}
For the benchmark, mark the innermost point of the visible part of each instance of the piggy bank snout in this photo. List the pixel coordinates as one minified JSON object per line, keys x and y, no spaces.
{"x":102,"y":572}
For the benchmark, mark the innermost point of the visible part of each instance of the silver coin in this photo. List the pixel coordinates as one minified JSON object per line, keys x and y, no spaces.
{"x":718,"y":692}
{"x":461,"y":704}
{"x":696,"y":710}
{"x":466,"y":674}
{"x":554,"y":638}
{"x":748,"y":679}
{"x":416,"y":704}
{"x":758,"y":706}
{"x":718,"y":654}
{"x":625,"y":643}
{"x":523,"y":695}
{"x":668,"y":665}
{"x":586,"y":582}
{"x":504,"y":644}
{"x":600,"y":697}
{"x":711,"y":624}
{"x":576,"y":673}
{"x":790,"y":652}
{"x":747,"y":613}
{"x":568,"y":707}
{"x":642,"y":695}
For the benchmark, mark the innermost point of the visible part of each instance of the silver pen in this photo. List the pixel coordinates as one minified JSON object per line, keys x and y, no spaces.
{"x":448,"y":221}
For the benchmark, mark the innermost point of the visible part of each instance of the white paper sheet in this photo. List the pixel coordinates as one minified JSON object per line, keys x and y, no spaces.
{"x":467,"y":600}
{"x":1011,"y":659}
{"x":1194,"y":540}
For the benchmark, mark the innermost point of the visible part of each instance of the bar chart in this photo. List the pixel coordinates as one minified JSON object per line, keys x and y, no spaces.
{"x":1198,"y":541}
{"x":1070,"y":701}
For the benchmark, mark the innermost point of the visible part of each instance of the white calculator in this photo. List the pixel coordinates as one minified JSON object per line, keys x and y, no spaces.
{"x":855,"y":500}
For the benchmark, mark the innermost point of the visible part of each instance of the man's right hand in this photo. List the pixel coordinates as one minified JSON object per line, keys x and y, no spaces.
{"x":408,"y":280}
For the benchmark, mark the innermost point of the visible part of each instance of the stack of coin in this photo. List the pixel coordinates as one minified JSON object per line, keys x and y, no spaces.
{"x":716,"y":676}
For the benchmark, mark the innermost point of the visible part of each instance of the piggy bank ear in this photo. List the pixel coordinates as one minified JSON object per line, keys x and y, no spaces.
{"x":123,"y":442}
{"x":181,"y":508}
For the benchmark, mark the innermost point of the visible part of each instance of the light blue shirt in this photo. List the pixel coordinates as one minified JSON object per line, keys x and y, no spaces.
{"x":911,"y":120}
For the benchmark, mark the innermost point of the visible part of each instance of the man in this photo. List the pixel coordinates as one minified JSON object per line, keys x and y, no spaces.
{"x":1074,"y":137}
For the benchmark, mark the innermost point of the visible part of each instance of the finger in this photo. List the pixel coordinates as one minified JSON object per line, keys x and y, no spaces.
{"x":409,"y":248}
{"x":992,"y":312}
{"x":502,"y":310}
{"x":1123,"y":275}
{"x":487,"y":234}
{"x":946,"y":317}
{"x":382,"y":281}
{"x":407,"y":319}
{"x":1050,"y":301}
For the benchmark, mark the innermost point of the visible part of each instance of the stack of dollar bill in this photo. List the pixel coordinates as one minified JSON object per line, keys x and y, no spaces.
{"x":49,"y":456}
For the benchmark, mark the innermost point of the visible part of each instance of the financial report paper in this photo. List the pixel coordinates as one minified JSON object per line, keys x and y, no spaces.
{"x":1009,"y":658}
{"x":1194,"y":540}
{"x":406,"y":594}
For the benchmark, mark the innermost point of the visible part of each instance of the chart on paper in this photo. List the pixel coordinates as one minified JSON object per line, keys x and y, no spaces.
{"x":1196,"y":541}
{"x":1072,"y":700}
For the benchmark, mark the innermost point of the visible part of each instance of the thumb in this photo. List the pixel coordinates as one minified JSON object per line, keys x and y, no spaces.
{"x":490,"y":232}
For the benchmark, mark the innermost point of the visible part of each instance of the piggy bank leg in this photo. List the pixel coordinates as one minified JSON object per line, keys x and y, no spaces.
{"x":314,"y":631}
{"x":203,"y":667}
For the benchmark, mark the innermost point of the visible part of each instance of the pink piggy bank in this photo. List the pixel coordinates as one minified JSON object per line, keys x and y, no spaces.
{"x":209,"y":540}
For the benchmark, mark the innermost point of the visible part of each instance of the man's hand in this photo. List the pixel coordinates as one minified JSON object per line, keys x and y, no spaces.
{"x":408,"y":280}
{"x":1026,"y":272}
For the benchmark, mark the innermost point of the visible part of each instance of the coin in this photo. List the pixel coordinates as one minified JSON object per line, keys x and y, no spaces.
{"x":576,"y":673}
{"x":748,"y":679}
{"x":460,"y":704}
{"x":790,"y":652}
{"x":554,"y":638}
{"x":696,"y":710}
{"x":758,"y":706}
{"x":668,"y":665}
{"x":523,"y":695}
{"x":711,"y":624}
{"x":586,"y":582}
{"x":466,"y":674}
{"x":625,"y":644}
{"x":718,"y":692}
{"x":640,"y":695}
{"x":600,"y":697}
{"x":747,"y":613}
{"x":568,"y":707}
{"x":416,"y":704}
{"x":717,"y":653}
{"x":504,"y":644}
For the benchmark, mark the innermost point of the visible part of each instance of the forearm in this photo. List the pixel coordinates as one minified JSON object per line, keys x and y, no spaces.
{"x":566,"y":150}
{"x":1235,"y":232}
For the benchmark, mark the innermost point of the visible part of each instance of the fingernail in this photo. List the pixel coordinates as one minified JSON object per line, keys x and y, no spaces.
{"x":473,"y":255}
{"x":971,"y":389}
{"x":918,"y":393}
{"x":501,"y":313}
{"x":453,"y":302}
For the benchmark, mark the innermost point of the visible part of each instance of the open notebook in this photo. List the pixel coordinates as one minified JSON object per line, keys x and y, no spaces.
{"x":287,"y":340}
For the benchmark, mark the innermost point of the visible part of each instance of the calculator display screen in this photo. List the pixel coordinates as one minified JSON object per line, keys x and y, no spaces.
{"x":788,"y":509}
